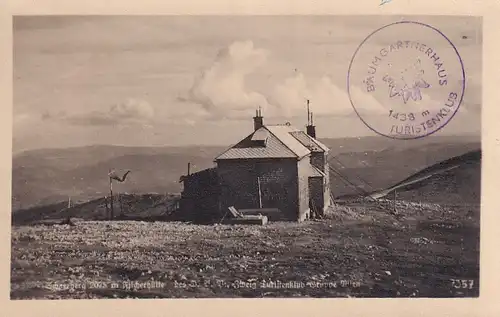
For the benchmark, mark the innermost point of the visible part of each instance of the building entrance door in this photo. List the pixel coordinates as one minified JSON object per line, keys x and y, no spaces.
{"x":316,"y":192}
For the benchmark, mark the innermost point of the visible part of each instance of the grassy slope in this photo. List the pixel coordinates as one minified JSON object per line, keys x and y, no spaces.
{"x":413,"y":255}
{"x":146,"y":207}
{"x":377,"y":170}
{"x":453,"y":181}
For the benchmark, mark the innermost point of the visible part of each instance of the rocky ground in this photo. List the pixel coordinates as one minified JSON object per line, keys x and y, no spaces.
{"x":416,"y":250}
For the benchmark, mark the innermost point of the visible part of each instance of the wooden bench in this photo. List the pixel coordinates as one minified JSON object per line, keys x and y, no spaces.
{"x":240,"y":218}
{"x":273,"y":214}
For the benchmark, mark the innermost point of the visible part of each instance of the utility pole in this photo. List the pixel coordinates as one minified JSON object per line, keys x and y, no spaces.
{"x":107,"y":206}
{"x":121,"y":204}
{"x":395,"y":210}
{"x":111,"y":197}
{"x":260,"y":194}
{"x":68,"y":209}
{"x":112,"y":176}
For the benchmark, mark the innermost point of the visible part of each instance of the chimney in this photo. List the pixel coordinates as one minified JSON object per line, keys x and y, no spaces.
{"x":310,"y":128}
{"x":258,"y":120}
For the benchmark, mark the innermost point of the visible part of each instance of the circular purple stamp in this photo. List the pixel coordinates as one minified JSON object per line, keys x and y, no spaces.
{"x":406,"y":80}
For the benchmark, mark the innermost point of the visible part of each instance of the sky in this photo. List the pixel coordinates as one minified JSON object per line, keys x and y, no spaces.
{"x":186,"y":80}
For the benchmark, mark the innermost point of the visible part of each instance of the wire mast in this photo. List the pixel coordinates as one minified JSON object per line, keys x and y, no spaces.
{"x":310,"y":128}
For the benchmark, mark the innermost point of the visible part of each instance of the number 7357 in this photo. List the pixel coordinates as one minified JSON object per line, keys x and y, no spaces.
{"x":462,"y":283}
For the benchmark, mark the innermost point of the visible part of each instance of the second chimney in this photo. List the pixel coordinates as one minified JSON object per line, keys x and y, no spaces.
{"x":311,"y":131}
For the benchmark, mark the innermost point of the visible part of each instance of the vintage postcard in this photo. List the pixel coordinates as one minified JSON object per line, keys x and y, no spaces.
{"x":229,"y":157}
{"x":246,"y":156}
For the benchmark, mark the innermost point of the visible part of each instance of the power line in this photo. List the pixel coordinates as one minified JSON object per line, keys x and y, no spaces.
{"x":355,"y":175}
{"x":360,"y":190}
{"x":344,"y":178}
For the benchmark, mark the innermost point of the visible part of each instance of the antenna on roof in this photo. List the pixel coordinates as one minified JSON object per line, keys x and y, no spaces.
{"x":310,"y":128}
{"x":308,"y":113}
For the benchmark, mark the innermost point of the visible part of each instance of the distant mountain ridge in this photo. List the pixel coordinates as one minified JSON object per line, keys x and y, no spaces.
{"x":46,"y":176}
{"x":455,"y":181}
{"x":49,"y":176}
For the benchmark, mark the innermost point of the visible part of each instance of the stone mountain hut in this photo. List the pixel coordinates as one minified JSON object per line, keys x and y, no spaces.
{"x":277,"y":170}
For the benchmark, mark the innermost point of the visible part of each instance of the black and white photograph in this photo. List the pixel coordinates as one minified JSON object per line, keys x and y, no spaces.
{"x":246,"y":156}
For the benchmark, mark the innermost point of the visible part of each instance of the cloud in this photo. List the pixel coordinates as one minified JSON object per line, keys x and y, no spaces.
{"x":129,"y":111}
{"x":365,"y":103}
{"x":132,"y":109}
{"x":221,"y":88}
{"x":222,"y":91}
{"x":327,"y":99}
